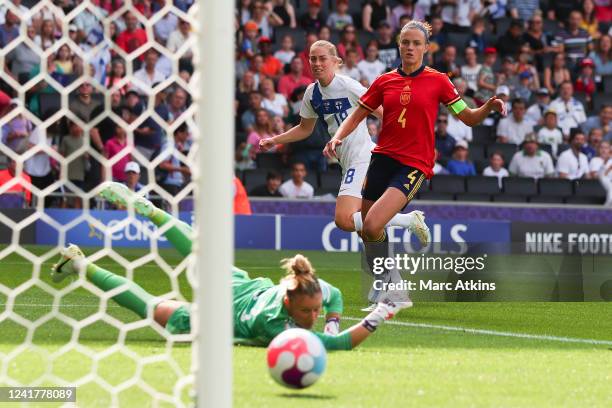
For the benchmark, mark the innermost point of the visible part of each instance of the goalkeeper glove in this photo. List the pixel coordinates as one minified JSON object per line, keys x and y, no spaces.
{"x":332,"y":326}
{"x":385,"y":310}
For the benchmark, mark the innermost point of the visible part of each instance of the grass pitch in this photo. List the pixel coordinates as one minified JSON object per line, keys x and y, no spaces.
{"x":435,"y":354}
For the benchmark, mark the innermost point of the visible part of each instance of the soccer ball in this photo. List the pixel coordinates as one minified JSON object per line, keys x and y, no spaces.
{"x":296,"y":358}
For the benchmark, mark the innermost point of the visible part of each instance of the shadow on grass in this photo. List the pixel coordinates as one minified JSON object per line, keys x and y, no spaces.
{"x":298,"y":395}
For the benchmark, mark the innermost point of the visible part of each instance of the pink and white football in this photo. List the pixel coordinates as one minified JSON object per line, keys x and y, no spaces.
{"x":296,"y":358}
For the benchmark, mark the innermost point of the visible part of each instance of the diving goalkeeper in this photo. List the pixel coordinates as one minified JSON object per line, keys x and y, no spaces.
{"x":262,"y":310}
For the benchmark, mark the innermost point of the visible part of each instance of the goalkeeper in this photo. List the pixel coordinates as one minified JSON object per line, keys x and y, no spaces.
{"x":262,"y":310}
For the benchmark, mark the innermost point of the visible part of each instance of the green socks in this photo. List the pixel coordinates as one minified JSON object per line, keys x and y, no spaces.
{"x":179,"y":235}
{"x":134,"y":297}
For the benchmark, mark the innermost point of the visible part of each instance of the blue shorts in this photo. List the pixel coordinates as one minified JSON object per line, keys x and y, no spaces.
{"x":385,"y":172}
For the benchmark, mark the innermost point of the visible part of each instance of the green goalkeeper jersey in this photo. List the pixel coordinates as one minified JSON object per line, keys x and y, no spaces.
{"x":259,"y":313}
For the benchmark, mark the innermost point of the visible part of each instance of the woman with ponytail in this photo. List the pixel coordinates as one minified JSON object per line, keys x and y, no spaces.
{"x":262,"y":310}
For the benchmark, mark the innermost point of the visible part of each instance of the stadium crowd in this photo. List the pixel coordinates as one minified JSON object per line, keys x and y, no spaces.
{"x":551,"y":61}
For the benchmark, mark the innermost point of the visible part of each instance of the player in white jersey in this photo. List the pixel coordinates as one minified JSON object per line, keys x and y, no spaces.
{"x":331,"y":99}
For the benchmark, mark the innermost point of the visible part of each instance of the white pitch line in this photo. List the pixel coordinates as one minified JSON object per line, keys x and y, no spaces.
{"x":494,"y":332}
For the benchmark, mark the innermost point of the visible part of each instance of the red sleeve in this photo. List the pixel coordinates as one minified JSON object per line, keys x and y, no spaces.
{"x":121,"y":42}
{"x":448,"y":92}
{"x":373,"y":97}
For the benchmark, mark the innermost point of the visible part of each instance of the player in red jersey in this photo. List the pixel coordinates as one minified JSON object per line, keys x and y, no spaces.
{"x":404,"y":155}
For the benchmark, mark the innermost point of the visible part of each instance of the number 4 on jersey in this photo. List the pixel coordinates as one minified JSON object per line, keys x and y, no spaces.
{"x":402,"y":118}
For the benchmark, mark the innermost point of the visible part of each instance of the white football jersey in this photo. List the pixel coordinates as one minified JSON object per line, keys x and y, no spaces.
{"x":332,"y":104}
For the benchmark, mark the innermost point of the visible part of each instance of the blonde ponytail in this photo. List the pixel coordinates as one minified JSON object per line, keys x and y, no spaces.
{"x":300,"y":278}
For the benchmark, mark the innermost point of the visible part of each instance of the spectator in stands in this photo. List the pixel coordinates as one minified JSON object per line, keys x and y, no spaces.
{"x":592,"y":147}
{"x":285,"y":11}
{"x":148,"y":75}
{"x":462,"y":89}
{"x":133,"y":36}
{"x":10,"y":29}
{"x":22,"y":59}
{"x":63,"y":60}
{"x":340,"y":18}
{"x":243,"y":11}
{"x":531,"y":161}
{"x":297,"y":186}
{"x":272,"y":67}
{"x":9,"y":173}
{"x":602,"y":56}
{"x":477,"y":39}
{"x":114,"y":146}
{"x":445,"y":143}
{"x":509,"y":75}
{"x":601,"y":161}
{"x":605,"y":178}
{"x":448,"y":62}
{"x":294,"y":79}
{"x":603,"y":121}
{"x":262,"y":129}
{"x":132,"y":177}
{"x":274,"y":102}
{"x":286,"y":53}
{"x":459,"y":164}
{"x":535,"y":113}
{"x":496,"y":168}
{"x":349,"y":41}
{"x":404,"y":8}
{"x":388,"y":52}
{"x":373,"y":130}
{"x":23,"y":10}
{"x":180,"y":36}
{"x":487,"y":82}
{"x":178,"y":104}
{"x":248,"y":117}
{"x":241,"y":201}
{"x":370,"y":67}
{"x":250,"y":40}
{"x":437,"y":40}
{"x":576,"y":41}
{"x":514,"y":128}
{"x":526,"y":85}
{"x":458,"y":15}
{"x":557,"y":74}
{"x":79,"y":165}
{"x":471,"y":68}
{"x":374,"y":13}
{"x":585,"y":83}
{"x":523,"y":9}
{"x":349,"y":67}
{"x":324,"y":33}
{"x":570,"y":111}
{"x":38,"y":166}
{"x":311,"y":38}
{"x":550,"y":133}
{"x":270,"y":189}
{"x":509,"y":44}
{"x":313,"y":19}
{"x":589,"y":21}
{"x":16,"y":132}
{"x":175,"y":173}
{"x":438,"y":169}
{"x":265,"y":18}
{"x":116,"y":75}
{"x":572,"y":163}
{"x":540,"y":42}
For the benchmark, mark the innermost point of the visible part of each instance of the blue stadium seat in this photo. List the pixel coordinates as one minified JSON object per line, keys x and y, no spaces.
{"x":448,"y":184}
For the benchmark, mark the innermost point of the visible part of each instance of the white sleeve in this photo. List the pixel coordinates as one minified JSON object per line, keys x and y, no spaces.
{"x":595,"y":164}
{"x":562,"y":164}
{"x":356,"y":89}
{"x":306,"y":110}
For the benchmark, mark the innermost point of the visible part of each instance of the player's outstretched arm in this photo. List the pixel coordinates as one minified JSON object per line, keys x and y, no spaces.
{"x":473,"y":117}
{"x":345,"y":129}
{"x":295,"y":134}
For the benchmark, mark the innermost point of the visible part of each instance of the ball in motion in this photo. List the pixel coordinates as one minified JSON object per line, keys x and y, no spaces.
{"x":296,"y":358}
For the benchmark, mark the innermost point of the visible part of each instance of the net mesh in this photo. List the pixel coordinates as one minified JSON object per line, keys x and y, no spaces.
{"x":63,"y":73}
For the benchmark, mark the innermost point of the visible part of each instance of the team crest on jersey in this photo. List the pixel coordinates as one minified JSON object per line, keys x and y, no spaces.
{"x":405,"y":95}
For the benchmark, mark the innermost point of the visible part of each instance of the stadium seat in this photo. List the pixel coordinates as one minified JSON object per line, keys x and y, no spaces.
{"x":555,"y":187}
{"x":472,"y":197}
{"x":331,"y":179}
{"x":483,"y":134}
{"x":546,"y":199}
{"x":589,"y":188}
{"x":507,"y":150}
{"x":608,"y":84}
{"x":435,"y":196}
{"x":522,"y":186}
{"x":481,"y":165}
{"x":364,"y":38}
{"x":271,"y":161}
{"x":254,"y":178}
{"x":547,"y":148}
{"x":477,"y":152}
{"x":459,"y":40}
{"x":510,"y":198}
{"x":600,"y":99}
{"x":448,"y":184}
{"x":482,"y":185}
{"x":585,"y":200}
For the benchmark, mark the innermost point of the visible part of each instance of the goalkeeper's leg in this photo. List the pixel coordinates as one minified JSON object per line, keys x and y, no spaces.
{"x":179,"y":234}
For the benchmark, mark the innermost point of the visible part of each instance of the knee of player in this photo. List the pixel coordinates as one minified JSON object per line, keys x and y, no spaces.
{"x":371,"y":229}
{"x":344,"y":222}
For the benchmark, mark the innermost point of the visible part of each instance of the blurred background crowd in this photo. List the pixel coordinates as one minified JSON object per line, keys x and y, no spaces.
{"x":550,"y":60}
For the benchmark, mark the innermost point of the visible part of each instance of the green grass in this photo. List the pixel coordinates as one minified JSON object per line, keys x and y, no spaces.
{"x":399,"y":366}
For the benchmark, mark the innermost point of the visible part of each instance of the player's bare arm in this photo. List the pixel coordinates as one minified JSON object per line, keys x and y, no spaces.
{"x":473,"y":117}
{"x":299,"y":132}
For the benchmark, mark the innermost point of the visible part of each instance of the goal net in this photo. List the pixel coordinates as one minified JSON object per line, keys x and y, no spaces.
{"x":94,"y":91}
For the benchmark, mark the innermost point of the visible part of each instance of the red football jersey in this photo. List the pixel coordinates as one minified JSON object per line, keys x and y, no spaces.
{"x":410,"y":107}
